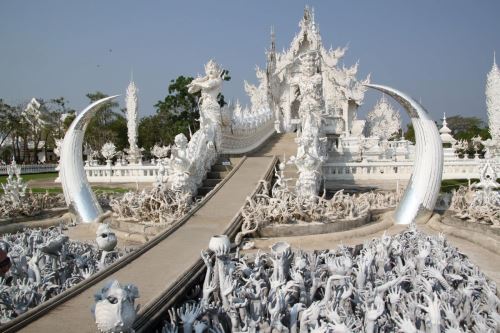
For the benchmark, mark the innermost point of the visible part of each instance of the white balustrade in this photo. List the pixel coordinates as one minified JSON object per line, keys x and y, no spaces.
{"x":460,"y":168}
{"x":31,"y":168}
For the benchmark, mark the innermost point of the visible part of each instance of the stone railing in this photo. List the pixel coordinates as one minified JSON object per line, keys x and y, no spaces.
{"x":397,"y":170}
{"x":240,"y":141}
{"x":122,"y":173}
{"x":461,"y":168}
{"x":31,"y":168}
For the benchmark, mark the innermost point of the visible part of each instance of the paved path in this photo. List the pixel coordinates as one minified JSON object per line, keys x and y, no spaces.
{"x":157,"y":269}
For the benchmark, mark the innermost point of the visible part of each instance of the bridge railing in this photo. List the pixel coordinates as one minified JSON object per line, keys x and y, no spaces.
{"x":244,"y":140}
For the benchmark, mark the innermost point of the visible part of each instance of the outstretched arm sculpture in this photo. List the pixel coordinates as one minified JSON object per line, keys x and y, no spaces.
{"x":422,"y":191}
{"x":77,"y":192}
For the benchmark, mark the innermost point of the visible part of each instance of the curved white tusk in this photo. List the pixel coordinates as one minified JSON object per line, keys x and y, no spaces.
{"x":77,"y":192}
{"x":423,"y":188}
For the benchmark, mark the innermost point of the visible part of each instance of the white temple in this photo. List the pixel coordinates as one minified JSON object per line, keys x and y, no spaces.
{"x":304,"y":90}
{"x":342,"y":92}
{"x":383,"y":121}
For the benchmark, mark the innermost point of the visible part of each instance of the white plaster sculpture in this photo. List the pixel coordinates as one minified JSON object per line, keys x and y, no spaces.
{"x":16,"y":201}
{"x":383,"y":121}
{"x":181,"y":166}
{"x":108,"y":151}
{"x":190,"y":160}
{"x":159,"y":205}
{"x":281,"y":205}
{"x":77,"y":192}
{"x":58,"y":146}
{"x":106,"y":241}
{"x":160,"y":152}
{"x":133,"y":152}
{"x":422,"y":191}
{"x":33,"y":117}
{"x":15,"y":188}
{"x":115,"y":309}
{"x":342,"y":92}
{"x":44,"y":263}
{"x":445,"y":133}
{"x":311,"y":151}
{"x":210,"y":86}
{"x":493,"y":109}
{"x":409,"y":282}
{"x":480,"y":202}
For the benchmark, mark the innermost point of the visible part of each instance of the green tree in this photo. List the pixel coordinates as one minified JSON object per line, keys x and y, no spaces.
{"x":465,"y":128}
{"x":177,"y":113}
{"x":106,"y":125}
{"x":55,"y":122}
{"x":410,"y":133}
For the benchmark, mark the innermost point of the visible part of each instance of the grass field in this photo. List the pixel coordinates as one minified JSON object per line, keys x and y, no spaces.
{"x":97,"y":189}
{"x":51,"y":176}
{"x":34,"y":176}
{"x":451,"y":184}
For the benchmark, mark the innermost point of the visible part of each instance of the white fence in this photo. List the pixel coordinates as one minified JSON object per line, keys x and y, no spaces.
{"x":373,"y":170}
{"x":394,"y":170}
{"x":31,"y":168}
{"x":122,"y":173}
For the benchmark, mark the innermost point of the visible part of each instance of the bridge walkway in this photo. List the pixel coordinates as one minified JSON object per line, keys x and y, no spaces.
{"x":163,"y":265}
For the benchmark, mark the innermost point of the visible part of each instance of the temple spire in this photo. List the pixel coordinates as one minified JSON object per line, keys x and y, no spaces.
{"x":271,"y":54}
{"x":131,"y":101}
{"x":493,"y":100}
{"x":273,"y":40}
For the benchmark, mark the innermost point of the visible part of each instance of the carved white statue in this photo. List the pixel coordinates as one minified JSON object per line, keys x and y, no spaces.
{"x":210,"y":86}
{"x":115,"y":310}
{"x":108,"y":151}
{"x":15,"y":188}
{"x":383,"y":121}
{"x":311,"y":151}
{"x":134,"y":153}
{"x":493,"y":108}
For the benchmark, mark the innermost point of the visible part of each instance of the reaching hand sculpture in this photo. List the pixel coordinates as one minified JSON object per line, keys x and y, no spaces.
{"x":432,"y":288}
{"x":44,"y":263}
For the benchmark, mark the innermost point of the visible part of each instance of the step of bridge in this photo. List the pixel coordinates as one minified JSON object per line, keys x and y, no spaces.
{"x":218,"y":171}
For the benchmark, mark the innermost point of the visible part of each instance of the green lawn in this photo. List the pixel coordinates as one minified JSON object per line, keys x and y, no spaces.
{"x":451,"y":184}
{"x":34,"y":176}
{"x":51,"y":176}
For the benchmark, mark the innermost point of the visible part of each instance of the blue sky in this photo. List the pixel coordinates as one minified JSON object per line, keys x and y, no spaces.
{"x":438,"y":51}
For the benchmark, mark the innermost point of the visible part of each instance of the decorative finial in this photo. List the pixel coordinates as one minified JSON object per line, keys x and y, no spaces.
{"x":273,"y":39}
